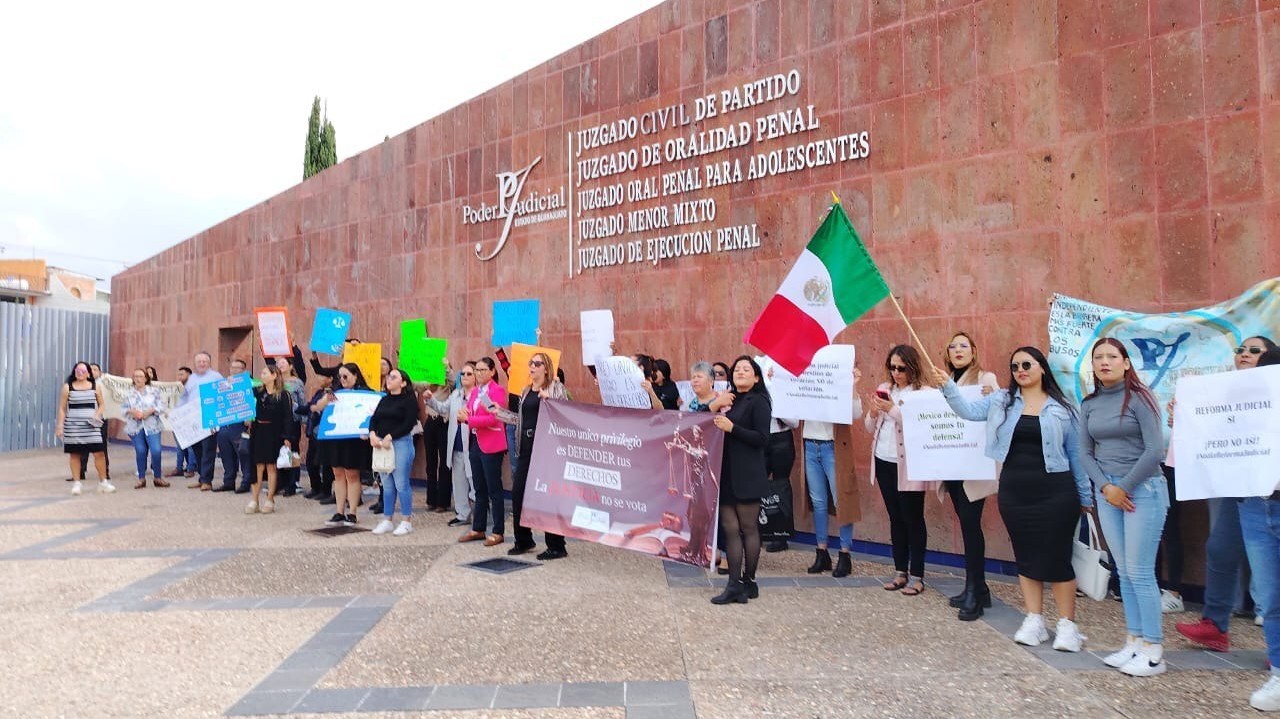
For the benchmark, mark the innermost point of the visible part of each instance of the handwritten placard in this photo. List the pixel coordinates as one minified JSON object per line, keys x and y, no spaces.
{"x":273,"y":331}
{"x":597,"y":335}
{"x":368,"y":357}
{"x":227,"y":401}
{"x":620,"y":383}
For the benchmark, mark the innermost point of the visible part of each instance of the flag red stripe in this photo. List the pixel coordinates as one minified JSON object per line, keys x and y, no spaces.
{"x":787,"y":334}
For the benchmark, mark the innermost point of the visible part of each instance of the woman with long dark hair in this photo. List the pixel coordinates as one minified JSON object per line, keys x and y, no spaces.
{"x":969,"y":498}
{"x":542,"y":385}
{"x":488,"y":447}
{"x":79,"y":427}
{"x":1121,"y":442}
{"x":391,"y":427}
{"x":1033,"y":431}
{"x":903,"y":500}
{"x":271,"y":429}
{"x":664,"y":386}
{"x":348,"y":457}
{"x":744,"y":478}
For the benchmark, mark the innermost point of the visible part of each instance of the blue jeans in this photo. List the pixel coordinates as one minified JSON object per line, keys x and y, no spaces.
{"x":1224,"y":553}
{"x":820,"y":475}
{"x":513,"y":445}
{"x":1260,"y":522}
{"x":187,"y":459}
{"x":486,"y":475}
{"x":1134,"y":538}
{"x":142,"y":444}
{"x":396,"y":484}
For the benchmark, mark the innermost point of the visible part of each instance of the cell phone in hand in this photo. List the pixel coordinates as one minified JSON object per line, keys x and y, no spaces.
{"x":884,"y":395}
{"x":501,"y":354}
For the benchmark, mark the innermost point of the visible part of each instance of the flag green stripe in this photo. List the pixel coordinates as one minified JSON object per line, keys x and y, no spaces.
{"x":856,"y":283}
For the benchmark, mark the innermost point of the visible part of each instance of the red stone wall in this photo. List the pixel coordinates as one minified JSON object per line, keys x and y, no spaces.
{"x":1123,"y":151}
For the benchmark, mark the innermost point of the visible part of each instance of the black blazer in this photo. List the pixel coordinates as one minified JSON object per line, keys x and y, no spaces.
{"x":744,"y":470}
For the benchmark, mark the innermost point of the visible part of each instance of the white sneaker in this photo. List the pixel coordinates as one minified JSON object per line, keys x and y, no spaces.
{"x":75,"y":489}
{"x":1267,"y":698}
{"x":1119,"y":658}
{"x":403,"y":529}
{"x":383,"y":527}
{"x":1170,"y":602}
{"x":1032,"y":632}
{"x":252,"y":507}
{"x":1069,"y":638}
{"x":106,"y":487}
{"x":268,"y":506}
{"x":1257,"y":620}
{"x":1142,"y":665}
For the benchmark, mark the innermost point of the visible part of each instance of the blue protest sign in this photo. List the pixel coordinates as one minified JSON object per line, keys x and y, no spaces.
{"x":330,"y":331}
{"x":227,"y":401}
{"x":347,"y":415}
{"x":515,"y":321}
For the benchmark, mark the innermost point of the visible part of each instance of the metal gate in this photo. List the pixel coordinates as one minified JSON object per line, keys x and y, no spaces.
{"x":38,"y":347}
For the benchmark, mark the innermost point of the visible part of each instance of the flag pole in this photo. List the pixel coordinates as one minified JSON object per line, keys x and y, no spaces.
{"x":912,"y":330}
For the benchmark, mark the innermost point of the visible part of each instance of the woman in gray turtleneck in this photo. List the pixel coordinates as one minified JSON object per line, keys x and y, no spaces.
{"x":1121,"y":443}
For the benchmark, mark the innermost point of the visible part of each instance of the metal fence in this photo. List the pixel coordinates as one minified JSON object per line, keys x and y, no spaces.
{"x":38,"y":346}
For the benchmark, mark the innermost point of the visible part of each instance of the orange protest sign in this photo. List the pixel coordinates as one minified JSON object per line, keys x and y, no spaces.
{"x":518,"y":377}
{"x":368,"y":356}
{"x":273,"y":331}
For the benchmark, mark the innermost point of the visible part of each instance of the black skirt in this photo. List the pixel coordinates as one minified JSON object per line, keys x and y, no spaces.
{"x":354,"y":453}
{"x":265,"y":441}
{"x":1040,"y":509}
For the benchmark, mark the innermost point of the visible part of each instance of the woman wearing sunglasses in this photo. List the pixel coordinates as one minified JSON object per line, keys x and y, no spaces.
{"x":1033,"y":431}
{"x":488,"y":447}
{"x":348,"y":457}
{"x":1224,"y":551}
{"x":459,"y":441}
{"x":542,"y":385}
{"x":903,"y":500}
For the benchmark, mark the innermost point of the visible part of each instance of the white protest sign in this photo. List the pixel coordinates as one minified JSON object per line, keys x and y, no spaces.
{"x":619,"y":380}
{"x":687,"y":395}
{"x":1226,"y":434}
{"x":184,"y":422}
{"x":115,"y":389}
{"x":597,"y":335}
{"x":941,"y":445}
{"x":823,"y":392}
{"x":273,"y":331}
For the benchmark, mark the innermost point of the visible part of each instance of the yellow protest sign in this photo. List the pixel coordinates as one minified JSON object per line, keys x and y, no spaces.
{"x":368,"y":357}
{"x":518,"y":377}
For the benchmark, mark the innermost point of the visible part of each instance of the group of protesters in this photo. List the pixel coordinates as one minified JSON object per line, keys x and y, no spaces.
{"x":1058,"y":461}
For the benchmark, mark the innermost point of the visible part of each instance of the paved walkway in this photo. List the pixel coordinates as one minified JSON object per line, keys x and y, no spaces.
{"x":172,"y":602}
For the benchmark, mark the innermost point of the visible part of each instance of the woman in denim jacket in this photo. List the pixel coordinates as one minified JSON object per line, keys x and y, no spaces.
{"x":1032,"y":430}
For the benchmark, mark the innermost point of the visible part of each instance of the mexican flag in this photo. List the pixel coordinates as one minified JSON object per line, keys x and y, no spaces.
{"x":832,"y":284}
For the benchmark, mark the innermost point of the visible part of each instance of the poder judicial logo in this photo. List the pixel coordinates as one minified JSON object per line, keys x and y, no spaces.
{"x":514,"y":208}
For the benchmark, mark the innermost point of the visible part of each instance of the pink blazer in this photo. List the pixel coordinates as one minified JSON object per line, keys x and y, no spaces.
{"x":874,"y":425}
{"x":489,"y":432}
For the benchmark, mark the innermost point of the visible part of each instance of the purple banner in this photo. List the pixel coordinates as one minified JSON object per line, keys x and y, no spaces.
{"x":637,"y":479}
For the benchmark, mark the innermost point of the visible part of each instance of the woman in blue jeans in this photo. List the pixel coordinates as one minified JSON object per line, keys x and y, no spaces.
{"x":820,"y":476}
{"x":1121,"y":443}
{"x":391,"y":427}
{"x":142,"y":406}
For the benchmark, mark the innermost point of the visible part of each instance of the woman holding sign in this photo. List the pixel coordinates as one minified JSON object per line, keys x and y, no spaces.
{"x":272,"y":427}
{"x":542,"y":385}
{"x":969,"y":498}
{"x":348,"y":457}
{"x":903,"y":500}
{"x":1121,"y":442}
{"x":1033,"y":431}
{"x":488,"y":446}
{"x":744,"y":478}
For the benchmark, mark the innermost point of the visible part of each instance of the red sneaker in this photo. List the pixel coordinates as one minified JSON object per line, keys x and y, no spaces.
{"x":1206,"y":634}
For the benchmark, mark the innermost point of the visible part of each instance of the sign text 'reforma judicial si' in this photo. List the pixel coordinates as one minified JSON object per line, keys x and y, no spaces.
{"x":638,"y":187}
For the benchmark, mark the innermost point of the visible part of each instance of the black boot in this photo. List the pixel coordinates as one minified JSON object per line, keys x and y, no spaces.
{"x":821,"y":563}
{"x":983,"y":593}
{"x":735,"y":592}
{"x":959,"y":600}
{"x":971,"y":609}
{"x":779,"y":545}
{"x":753,"y":589}
{"x":844,"y":565}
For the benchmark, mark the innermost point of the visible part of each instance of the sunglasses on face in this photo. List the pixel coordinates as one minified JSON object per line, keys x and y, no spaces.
{"x":1250,"y":350}
{"x":1025,"y":366}
{"x":720,"y":374}
{"x":537,"y":363}
{"x":897,"y":368}
{"x":466,"y":374}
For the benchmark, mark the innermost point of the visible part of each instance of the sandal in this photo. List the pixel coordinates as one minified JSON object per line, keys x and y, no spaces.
{"x":898,"y":583}
{"x":140,"y":484}
{"x":914,"y":588}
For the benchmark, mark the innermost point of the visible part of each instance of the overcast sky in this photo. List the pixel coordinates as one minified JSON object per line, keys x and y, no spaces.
{"x":127,"y":127}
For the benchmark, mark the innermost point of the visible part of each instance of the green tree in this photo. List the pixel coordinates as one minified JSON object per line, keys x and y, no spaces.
{"x":322,"y":146}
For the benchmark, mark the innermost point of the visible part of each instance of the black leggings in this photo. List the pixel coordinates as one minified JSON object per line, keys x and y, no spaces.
{"x":741,"y":524}
{"x":975,"y":544}
{"x":906,"y":520}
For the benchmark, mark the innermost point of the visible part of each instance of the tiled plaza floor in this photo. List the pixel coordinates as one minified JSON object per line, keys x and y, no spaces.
{"x":174,"y":603}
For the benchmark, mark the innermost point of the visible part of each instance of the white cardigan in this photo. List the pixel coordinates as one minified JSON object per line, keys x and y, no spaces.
{"x":449,"y":409}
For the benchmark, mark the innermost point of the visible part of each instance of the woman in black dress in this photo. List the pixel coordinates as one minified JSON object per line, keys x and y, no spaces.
{"x":1033,"y":430}
{"x":348,"y":457}
{"x":744,"y":478}
{"x":272,"y":427}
